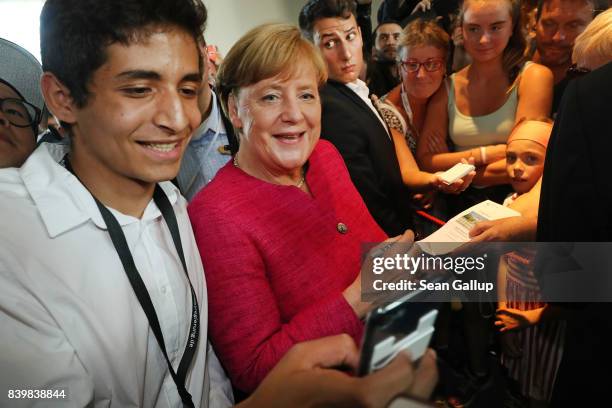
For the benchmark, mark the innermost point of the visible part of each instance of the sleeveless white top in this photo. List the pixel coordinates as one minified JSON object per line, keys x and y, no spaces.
{"x":467,"y":132}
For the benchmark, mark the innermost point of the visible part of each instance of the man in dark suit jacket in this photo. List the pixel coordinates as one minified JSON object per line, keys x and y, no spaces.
{"x":576,"y":206}
{"x":350,"y":121}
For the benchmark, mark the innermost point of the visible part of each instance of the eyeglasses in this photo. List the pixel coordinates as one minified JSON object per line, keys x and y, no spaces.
{"x":574,"y":71}
{"x":19,"y":113}
{"x":431,"y":65}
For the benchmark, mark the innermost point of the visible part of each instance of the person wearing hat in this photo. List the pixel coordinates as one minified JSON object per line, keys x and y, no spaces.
{"x":21,"y":103}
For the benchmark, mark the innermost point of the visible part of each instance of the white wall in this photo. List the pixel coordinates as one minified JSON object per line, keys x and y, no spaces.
{"x":228,"y":20}
{"x":19,"y":23}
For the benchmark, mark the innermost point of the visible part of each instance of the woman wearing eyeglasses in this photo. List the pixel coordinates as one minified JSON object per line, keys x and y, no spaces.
{"x":485,"y":99}
{"x":19,"y":97}
{"x":421,"y":59}
{"x":422,"y":54}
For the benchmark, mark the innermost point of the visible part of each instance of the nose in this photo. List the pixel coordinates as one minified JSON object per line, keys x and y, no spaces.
{"x":292,"y":112}
{"x":171,"y":113}
{"x":421,"y":72}
{"x":485,"y":38}
{"x":559,"y":35}
{"x":345,"y":52}
{"x":518,"y":168}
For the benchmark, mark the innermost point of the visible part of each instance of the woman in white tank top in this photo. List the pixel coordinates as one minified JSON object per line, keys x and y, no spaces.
{"x":476,"y":112}
{"x":483,"y":101}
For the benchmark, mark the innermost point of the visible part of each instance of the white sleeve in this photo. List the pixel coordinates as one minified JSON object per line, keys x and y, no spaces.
{"x":220,"y":395}
{"x":34,"y":353}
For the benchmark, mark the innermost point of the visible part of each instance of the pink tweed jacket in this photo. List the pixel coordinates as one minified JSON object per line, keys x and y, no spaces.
{"x":277,"y":260}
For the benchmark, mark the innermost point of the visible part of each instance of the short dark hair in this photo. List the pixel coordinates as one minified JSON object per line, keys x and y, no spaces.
{"x":317,"y":9}
{"x":597,"y":6}
{"x":384,"y":22}
{"x":74,"y":34}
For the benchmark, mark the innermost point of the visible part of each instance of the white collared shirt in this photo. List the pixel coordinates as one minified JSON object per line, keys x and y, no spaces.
{"x":69,"y":319}
{"x":362,"y":90}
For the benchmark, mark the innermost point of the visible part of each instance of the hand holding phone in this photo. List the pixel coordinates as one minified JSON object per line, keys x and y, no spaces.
{"x":456,"y":172}
{"x":416,"y":343}
{"x":404,"y":325}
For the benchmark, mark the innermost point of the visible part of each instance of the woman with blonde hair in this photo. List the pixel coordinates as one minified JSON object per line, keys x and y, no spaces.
{"x":280,"y":228}
{"x":422,"y":54}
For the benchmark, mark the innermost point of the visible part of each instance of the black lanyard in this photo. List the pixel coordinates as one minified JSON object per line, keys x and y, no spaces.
{"x":119,"y":242}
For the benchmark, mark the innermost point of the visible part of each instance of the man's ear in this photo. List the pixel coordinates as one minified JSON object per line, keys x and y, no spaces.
{"x":58,"y":98}
{"x":232,"y":105}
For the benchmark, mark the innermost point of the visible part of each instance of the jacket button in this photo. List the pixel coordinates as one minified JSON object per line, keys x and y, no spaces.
{"x":342,"y":228}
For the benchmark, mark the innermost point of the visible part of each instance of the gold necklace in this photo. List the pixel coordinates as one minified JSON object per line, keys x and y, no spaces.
{"x":299,"y":184}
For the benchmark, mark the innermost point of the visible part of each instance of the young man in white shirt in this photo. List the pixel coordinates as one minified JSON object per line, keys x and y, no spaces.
{"x":102,"y":290}
{"x":123,"y":77}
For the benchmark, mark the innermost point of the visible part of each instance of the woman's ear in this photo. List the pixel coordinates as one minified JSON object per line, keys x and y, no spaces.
{"x":58,"y":99}
{"x":232,"y":105}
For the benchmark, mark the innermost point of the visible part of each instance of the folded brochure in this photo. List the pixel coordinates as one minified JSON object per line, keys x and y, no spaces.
{"x":455,"y":232}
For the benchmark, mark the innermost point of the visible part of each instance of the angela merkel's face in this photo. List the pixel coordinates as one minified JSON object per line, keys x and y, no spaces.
{"x":16,"y":141}
{"x":279,"y":120}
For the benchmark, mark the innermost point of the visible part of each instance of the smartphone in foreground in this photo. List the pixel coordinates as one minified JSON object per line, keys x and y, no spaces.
{"x":406,"y":324}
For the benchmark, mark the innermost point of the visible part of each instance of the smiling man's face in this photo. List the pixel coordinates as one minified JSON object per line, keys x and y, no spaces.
{"x":141,"y":110}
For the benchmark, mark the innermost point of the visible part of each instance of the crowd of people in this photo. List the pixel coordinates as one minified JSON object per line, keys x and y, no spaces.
{"x":181,"y":229}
